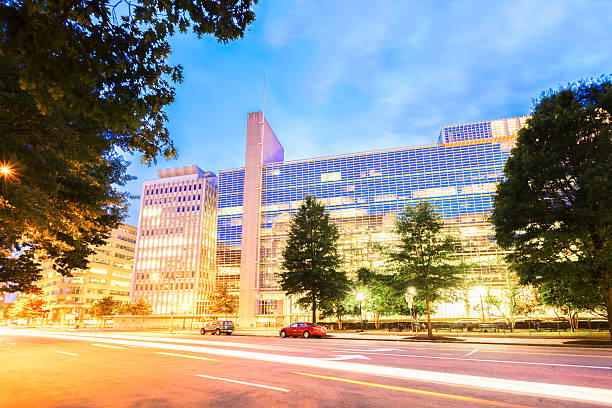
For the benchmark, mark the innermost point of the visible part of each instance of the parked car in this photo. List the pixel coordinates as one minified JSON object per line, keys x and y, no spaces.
{"x":218,"y":327}
{"x":303,"y":329}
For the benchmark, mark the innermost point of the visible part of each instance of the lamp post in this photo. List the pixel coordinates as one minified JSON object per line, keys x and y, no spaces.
{"x":360,"y":297}
{"x":184,"y":307}
{"x":410,"y":292}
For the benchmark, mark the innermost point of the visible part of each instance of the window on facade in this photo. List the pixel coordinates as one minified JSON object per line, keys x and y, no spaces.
{"x":335,"y":176}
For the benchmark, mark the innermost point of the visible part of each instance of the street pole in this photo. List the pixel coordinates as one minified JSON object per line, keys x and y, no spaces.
{"x":360,"y":317}
{"x":171,"y":303}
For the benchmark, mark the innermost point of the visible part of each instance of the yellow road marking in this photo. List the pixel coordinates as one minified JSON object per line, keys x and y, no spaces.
{"x":187,"y":356}
{"x":414,"y":391}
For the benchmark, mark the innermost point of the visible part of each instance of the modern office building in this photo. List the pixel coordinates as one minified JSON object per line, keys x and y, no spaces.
{"x":363,"y":193}
{"x":108,"y":273}
{"x":174,"y":265}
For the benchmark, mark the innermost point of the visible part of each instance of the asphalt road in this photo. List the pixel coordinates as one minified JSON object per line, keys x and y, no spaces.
{"x":112,"y":369}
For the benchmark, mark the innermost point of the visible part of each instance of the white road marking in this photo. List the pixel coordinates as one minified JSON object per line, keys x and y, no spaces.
{"x":243,"y":382}
{"x":491,"y":361}
{"x":105,"y":345}
{"x":371,"y":350}
{"x":185,"y":355}
{"x":65,"y":352}
{"x":555,"y":391}
{"x":471,"y":352}
{"x":349,"y":357}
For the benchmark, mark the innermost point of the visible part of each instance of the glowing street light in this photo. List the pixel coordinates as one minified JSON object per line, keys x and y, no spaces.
{"x":410,"y":292}
{"x":5,"y":171}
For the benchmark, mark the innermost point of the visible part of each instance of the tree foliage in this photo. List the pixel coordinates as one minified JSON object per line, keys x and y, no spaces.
{"x":104,"y":307}
{"x":141,"y":308}
{"x":28,"y":308}
{"x":81,"y":82}
{"x":423,"y":256}
{"x":311,"y":261}
{"x":223,"y":302}
{"x":554,"y":209}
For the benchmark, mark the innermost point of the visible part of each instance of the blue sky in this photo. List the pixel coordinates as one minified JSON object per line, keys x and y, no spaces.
{"x":348,"y":76}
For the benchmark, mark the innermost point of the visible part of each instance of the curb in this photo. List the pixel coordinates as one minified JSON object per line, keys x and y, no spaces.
{"x":458,"y":340}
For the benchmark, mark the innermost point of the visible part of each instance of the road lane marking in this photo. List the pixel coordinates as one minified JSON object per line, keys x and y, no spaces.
{"x":371,"y":350}
{"x":414,"y":391}
{"x":186,"y":356}
{"x":65,"y":352}
{"x":545,"y":354}
{"x":105,"y":345}
{"x":243,"y":383}
{"x":423,"y":346}
{"x":555,"y":391}
{"x":471,"y":352}
{"x":490,"y":361}
{"x":349,"y":357}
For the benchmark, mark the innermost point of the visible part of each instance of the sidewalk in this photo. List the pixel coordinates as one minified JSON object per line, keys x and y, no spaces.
{"x":500,"y":339}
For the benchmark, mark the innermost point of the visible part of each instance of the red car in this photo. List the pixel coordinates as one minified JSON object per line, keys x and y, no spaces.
{"x":303,"y":329}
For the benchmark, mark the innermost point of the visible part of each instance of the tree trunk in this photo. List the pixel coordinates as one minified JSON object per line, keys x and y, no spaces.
{"x":339,"y":316}
{"x":608,"y":302}
{"x":429,"y":332}
{"x":314,"y":309}
{"x":377,"y":321}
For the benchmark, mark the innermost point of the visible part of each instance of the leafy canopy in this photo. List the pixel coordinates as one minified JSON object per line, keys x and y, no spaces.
{"x":105,"y":307}
{"x":141,"y":308}
{"x":423,"y":256}
{"x":554,"y":209}
{"x":80,"y":83}
{"x":224,"y":302}
{"x":311,"y":261}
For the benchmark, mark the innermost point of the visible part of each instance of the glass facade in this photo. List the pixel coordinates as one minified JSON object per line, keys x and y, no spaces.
{"x":364,"y":192}
{"x":229,"y":224}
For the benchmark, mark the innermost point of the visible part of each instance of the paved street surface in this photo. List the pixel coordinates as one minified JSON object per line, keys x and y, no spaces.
{"x":46,"y":368}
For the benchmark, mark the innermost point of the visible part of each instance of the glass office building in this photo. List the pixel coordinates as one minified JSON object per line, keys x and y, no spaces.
{"x":363,"y":193}
{"x":174,"y":263}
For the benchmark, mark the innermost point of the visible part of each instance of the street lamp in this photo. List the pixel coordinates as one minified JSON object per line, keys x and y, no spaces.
{"x":5,"y":170}
{"x":184,"y":307}
{"x":410,"y":292}
{"x":360,"y":297}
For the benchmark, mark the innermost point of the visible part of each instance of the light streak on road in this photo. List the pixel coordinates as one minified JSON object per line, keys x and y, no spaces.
{"x":488,"y":361}
{"x":555,"y":391}
{"x":65,"y":352}
{"x":243,"y":383}
{"x":414,"y":391}
{"x":187,"y":356}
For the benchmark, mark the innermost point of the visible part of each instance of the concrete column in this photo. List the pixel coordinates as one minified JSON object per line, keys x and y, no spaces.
{"x":262,"y":147}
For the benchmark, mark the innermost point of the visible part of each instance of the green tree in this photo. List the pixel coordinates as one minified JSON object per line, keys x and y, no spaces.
{"x":104,"y":307}
{"x":514,"y":300}
{"x":124,"y":309}
{"x":311,"y":261}
{"x":553,"y":210}
{"x":423,"y":256}
{"x":570,"y":297}
{"x":381,"y":292}
{"x":80,"y":83}
{"x":223,"y":302}
{"x":336,"y":302}
{"x":28,"y":308}
{"x":141,"y":308}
